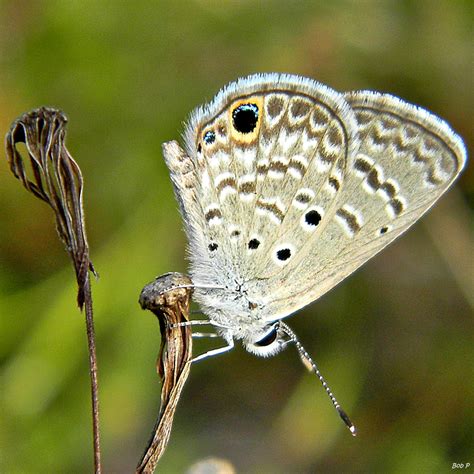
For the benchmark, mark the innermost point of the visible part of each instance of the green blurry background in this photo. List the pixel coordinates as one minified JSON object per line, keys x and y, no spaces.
{"x":395,"y":341}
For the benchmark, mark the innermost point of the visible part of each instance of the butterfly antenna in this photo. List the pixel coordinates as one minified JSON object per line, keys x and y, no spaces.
{"x":310,"y":364}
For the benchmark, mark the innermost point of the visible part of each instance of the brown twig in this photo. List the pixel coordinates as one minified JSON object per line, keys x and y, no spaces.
{"x":169,"y":301}
{"x":57,"y":180}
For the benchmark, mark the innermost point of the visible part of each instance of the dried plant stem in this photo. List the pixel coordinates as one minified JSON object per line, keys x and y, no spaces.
{"x":93,"y":374}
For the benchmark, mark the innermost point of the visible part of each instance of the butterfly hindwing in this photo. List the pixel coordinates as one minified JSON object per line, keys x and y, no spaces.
{"x":406,"y":160}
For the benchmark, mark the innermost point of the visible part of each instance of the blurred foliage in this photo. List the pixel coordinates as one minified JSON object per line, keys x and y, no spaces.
{"x":395,"y":341}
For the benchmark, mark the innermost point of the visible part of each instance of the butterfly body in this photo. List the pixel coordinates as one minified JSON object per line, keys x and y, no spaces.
{"x":287,"y":186}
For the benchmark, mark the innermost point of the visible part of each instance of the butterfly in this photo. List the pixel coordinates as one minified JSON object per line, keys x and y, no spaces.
{"x":287,"y":186}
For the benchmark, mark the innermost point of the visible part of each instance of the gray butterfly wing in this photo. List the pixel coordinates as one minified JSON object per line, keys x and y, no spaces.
{"x":281,"y":209}
{"x":406,"y":160}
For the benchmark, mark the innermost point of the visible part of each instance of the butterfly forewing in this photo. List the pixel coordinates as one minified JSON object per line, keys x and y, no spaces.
{"x":257,"y":177}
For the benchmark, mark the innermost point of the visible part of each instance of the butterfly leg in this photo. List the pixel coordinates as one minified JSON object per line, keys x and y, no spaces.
{"x":195,"y":322}
{"x":214,"y":352}
{"x":198,"y":322}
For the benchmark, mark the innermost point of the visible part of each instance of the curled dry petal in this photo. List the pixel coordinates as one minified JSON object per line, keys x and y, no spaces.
{"x":54,"y":177}
{"x":168,"y":297}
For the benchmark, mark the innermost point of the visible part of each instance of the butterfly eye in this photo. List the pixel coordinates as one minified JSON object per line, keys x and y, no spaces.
{"x":245,"y":118}
{"x":270,"y":338}
{"x":383,"y":230}
{"x":268,"y":345}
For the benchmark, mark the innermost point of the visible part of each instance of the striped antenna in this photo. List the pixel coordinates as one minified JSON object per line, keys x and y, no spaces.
{"x":310,"y":365}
